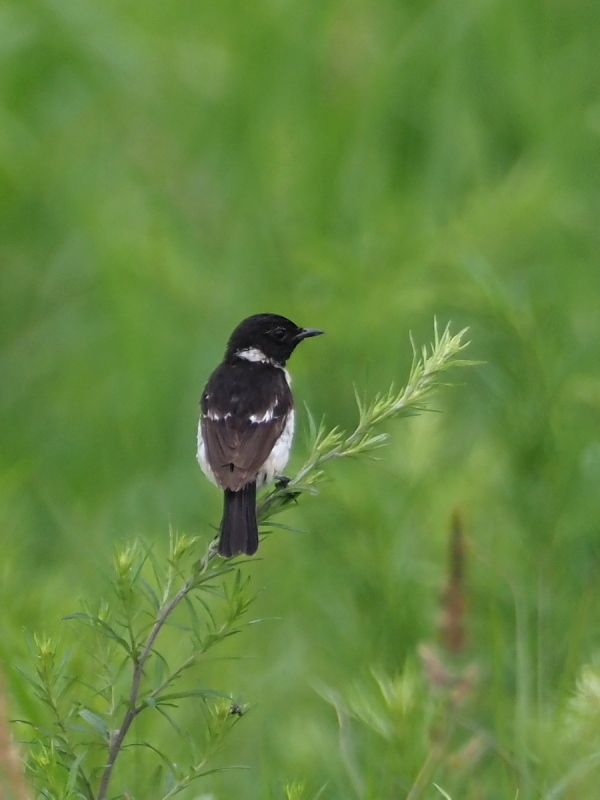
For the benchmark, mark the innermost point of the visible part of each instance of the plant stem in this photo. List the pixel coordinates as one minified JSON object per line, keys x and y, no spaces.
{"x":133,"y":709}
{"x":424,"y":776}
{"x":167,"y":682}
{"x":87,"y":788}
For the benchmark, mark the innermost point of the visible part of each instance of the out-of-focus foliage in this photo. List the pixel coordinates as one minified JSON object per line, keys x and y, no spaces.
{"x":361,"y":166}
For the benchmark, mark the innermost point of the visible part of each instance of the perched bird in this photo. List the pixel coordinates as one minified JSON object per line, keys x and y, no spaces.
{"x":247,"y":422}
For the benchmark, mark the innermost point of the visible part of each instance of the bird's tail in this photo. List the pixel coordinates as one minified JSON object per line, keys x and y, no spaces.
{"x":239,"y":528}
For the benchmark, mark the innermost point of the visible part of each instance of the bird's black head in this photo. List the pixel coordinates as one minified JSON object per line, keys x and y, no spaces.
{"x":266,"y":337}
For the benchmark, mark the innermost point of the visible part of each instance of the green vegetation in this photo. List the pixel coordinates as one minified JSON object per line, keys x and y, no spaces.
{"x":363,"y":167}
{"x":126,"y":670}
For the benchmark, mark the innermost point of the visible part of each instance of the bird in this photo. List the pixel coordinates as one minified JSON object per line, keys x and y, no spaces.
{"x":247,"y":422}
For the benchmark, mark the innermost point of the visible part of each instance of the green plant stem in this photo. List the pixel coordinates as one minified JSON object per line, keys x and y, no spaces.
{"x":424,"y":776}
{"x":133,"y":709}
{"x":87,"y":787}
{"x":437,"y":751}
{"x":167,"y":682}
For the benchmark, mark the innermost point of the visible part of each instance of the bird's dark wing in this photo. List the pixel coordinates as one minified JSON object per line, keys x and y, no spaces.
{"x":244,"y":412}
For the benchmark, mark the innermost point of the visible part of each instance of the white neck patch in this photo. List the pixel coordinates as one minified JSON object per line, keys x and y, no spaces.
{"x":253,"y":354}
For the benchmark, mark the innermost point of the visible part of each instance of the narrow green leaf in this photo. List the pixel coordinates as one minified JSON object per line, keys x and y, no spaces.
{"x":171,"y":768}
{"x":74,"y":772}
{"x":96,"y":622}
{"x":207,"y":608}
{"x":204,"y":693}
{"x":95,"y":720}
{"x":281,"y":526}
{"x":169,"y":719}
{"x":195,"y":622}
{"x":150,"y":594}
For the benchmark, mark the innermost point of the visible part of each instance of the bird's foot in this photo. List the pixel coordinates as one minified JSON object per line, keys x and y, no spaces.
{"x":282,"y":482}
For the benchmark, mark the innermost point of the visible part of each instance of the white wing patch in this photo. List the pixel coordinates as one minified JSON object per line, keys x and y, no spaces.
{"x":266,"y":416}
{"x":215,"y":416}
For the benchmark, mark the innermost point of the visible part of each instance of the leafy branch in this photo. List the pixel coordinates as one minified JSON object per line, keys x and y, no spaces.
{"x":70,"y":760}
{"x":428,"y":367}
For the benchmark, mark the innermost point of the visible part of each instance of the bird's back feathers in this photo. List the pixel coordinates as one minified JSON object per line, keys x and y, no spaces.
{"x":243,"y":416}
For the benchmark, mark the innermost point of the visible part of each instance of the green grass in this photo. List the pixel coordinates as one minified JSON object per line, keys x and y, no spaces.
{"x":167,"y":169}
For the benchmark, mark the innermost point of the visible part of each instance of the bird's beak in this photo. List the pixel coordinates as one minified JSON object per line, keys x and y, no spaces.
{"x":306,"y":333}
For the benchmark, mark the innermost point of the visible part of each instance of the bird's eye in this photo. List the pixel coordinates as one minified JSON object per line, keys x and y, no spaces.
{"x":278,"y":334}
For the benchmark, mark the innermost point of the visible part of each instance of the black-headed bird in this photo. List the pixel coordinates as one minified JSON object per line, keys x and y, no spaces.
{"x":247,"y":422}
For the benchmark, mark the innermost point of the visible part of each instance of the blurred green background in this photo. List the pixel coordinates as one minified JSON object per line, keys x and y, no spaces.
{"x":363,"y":166}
